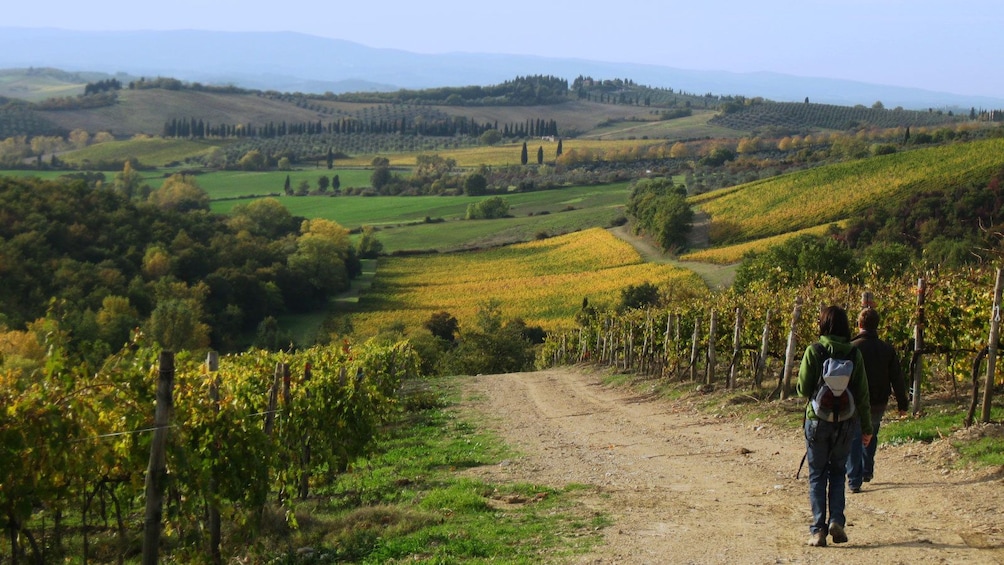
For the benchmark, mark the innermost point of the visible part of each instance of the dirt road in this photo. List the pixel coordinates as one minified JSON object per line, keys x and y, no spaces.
{"x":685,"y":487}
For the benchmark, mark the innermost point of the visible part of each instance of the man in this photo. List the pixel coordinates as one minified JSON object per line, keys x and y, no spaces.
{"x":883,"y":372}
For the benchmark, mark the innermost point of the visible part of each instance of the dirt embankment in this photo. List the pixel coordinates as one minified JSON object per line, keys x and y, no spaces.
{"x":684,"y":487}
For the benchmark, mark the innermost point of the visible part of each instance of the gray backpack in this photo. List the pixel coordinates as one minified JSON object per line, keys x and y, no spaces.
{"x":832,"y":401}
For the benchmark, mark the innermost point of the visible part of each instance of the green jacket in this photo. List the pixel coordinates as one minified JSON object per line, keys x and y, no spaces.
{"x":812,"y":367}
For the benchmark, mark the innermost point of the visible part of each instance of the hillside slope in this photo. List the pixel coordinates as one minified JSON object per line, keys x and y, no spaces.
{"x":836,"y":192}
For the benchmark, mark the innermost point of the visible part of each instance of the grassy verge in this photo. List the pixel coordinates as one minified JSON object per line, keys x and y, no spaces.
{"x":411,"y":501}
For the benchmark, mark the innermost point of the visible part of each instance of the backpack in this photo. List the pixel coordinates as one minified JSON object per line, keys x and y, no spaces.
{"x":832,"y":401}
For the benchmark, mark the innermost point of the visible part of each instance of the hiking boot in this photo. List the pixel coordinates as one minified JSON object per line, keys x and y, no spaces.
{"x":855,"y":490}
{"x":837,"y":531}
{"x":867,"y":478}
{"x":818,"y":539}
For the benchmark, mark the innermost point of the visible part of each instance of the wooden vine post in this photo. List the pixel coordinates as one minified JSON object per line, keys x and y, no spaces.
{"x":215,"y":535}
{"x":761,"y":361}
{"x":918,"y":345}
{"x":736,"y":347}
{"x":693,"y":348}
{"x":995,"y":326}
{"x":156,"y":473}
{"x":712,"y":331}
{"x":789,"y":352}
{"x":273,"y":398}
{"x":305,"y":456}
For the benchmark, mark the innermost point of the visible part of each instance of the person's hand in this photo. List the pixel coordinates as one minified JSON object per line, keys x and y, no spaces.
{"x":866,"y":439}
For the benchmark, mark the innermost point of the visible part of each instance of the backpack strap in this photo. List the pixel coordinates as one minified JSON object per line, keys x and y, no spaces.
{"x":823,"y":354}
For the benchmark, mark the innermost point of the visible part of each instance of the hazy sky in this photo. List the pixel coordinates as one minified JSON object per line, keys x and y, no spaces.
{"x":949,"y":46}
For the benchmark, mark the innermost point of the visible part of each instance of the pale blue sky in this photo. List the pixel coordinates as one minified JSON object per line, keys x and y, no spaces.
{"x":949,"y":46}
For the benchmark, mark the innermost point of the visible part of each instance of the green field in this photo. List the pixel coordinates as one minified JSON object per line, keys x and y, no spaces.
{"x":153,"y":151}
{"x":401,"y":219}
{"x":222,"y":185}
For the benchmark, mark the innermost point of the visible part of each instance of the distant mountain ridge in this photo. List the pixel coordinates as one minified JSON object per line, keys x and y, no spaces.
{"x":294,"y":62}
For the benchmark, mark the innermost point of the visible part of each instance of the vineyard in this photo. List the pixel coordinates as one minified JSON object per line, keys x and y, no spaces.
{"x":800,"y":117}
{"x":256,"y":431}
{"x":543,"y":282}
{"x":755,"y":339}
{"x":731,"y":254}
{"x":829,"y":194}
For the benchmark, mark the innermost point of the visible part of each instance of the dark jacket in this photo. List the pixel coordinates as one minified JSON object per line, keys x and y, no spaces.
{"x":883,"y":370}
{"x":812,"y":367}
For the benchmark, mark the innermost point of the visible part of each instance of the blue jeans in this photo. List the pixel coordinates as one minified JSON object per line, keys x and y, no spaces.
{"x":827,"y":445}
{"x":861,"y":461}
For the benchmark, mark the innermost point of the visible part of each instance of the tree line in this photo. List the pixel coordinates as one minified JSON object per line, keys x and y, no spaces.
{"x":529,"y":90}
{"x":447,"y":126}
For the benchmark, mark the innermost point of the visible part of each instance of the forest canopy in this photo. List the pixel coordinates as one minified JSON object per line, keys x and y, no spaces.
{"x":106,"y":264}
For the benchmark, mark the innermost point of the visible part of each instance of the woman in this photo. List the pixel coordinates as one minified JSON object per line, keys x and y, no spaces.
{"x":828,"y":443}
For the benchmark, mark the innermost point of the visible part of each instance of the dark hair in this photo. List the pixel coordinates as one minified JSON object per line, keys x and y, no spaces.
{"x":868,"y":320}
{"x":833,"y":321}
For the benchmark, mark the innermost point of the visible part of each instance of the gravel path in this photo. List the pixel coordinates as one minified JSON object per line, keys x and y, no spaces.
{"x":685,"y":487}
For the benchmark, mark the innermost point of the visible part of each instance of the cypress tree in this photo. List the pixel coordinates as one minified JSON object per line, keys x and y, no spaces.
{"x":559,"y":150}
{"x":522,"y":155}
{"x":540,"y":155}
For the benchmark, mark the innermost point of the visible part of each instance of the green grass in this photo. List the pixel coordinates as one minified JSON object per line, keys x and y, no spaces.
{"x":222,"y":185}
{"x":155,"y":152}
{"x":400,"y":219}
{"x":411,"y":500}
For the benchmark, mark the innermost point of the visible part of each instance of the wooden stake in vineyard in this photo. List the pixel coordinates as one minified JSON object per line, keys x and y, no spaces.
{"x":156,"y":473}
{"x":918,"y":345}
{"x":693,"y":348}
{"x":736,"y":347}
{"x":789,"y":352}
{"x":761,"y":361}
{"x":215,"y":535}
{"x":712,"y":330}
{"x":995,"y":326}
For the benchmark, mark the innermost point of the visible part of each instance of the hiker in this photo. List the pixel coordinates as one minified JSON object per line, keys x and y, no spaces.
{"x":883,"y":372}
{"x":828,"y":433}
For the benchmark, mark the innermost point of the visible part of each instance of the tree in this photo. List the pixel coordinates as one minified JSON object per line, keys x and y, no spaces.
{"x":128,"y":181}
{"x":679,"y":150}
{"x":523,"y":155}
{"x":559,"y":151}
{"x":490,"y":137}
{"x":180,"y":193}
{"x":287,"y":187}
{"x":321,"y":252}
{"x":368,"y":246}
{"x":78,"y":138}
{"x":381,"y":177}
{"x":284,"y":164}
{"x":303,"y":187}
{"x":331,"y":158}
{"x":176,"y":322}
{"x":116,"y":319}
{"x":661,"y":210}
{"x":540,"y":155}
{"x":475,"y":184}
{"x":639,"y":296}
{"x":323,"y":182}
{"x":336,"y":184}
{"x":487,"y":209}
{"x":253,"y":160}
{"x":443,"y":325}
